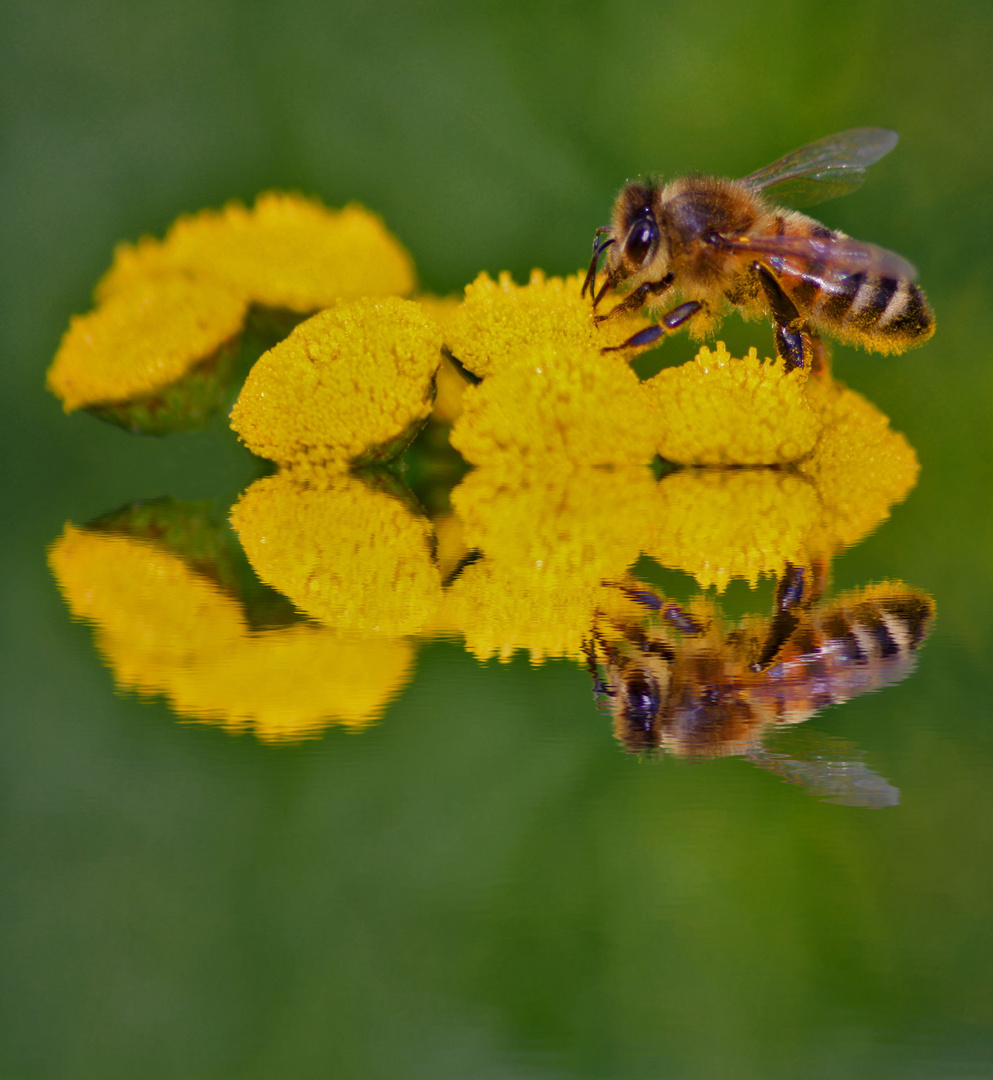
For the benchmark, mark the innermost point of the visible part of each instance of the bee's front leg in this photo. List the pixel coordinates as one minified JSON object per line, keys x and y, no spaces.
{"x":636,"y":299}
{"x":672,"y":320}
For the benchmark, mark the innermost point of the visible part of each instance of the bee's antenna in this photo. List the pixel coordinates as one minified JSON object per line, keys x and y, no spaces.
{"x":599,"y":247}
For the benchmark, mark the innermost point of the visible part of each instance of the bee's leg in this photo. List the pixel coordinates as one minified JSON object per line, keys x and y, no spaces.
{"x":788,"y":326}
{"x":819,"y":351}
{"x":636,"y":299}
{"x":593,"y":667}
{"x":672,"y":613}
{"x":671,"y":321}
{"x":793,"y":594}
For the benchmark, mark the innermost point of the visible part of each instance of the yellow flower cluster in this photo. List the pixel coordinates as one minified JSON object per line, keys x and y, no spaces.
{"x":166,"y":308}
{"x":165,"y":629}
{"x":350,"y":385}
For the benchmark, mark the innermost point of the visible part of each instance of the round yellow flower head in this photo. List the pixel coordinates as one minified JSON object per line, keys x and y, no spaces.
{"x":860,"y":466}
{"x":165,"y":629}
{"x":552,"y":406}
{"x":144,"y":339}
{"x":716,"y":410}
{"x":355,"y":559}
{"x":719,"y":524}
{"x":498,"y":320}
{"x":350,"y":385}
{"x":285,"y":252}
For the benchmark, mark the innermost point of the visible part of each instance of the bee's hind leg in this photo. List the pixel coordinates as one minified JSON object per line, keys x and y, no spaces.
{"x":794,"y":341}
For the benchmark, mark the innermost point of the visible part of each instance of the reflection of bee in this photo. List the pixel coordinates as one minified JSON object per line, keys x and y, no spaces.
{"x":693,"y":687}
{"x":720,"y":245}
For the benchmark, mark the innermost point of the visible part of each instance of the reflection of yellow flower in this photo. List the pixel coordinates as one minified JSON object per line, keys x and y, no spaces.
{"x":722,"y":524}
{"x":350,"y":384}
{"x":860,"y":466}
{"x":719,"y":524}
{"x":286,"y":252}
{"x":557,"y":407}
{"x":141,"y":341}
{"x":499,"y":320}
{"x":165,"y":629}
{"x":547,"y":545}
{"x":355,"y":559}
{"x":716,"y":410}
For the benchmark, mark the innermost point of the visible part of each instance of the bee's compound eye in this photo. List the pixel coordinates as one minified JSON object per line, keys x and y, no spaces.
{"x":641,"y":240}
{"x":643,"y":703}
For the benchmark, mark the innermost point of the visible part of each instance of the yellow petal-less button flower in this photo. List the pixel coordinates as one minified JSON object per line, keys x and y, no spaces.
{"x":144,"y":339}
{"x":716,"y":410}
{"x":498,"y":320}
{"x":350,"y":385}
{"x":165,"y":629}
{"x":285,"y":252}
{"x":719,"y":524}
{"x":860,"y":466}
{"x":355,"y":559}
{"x":556,"y":407}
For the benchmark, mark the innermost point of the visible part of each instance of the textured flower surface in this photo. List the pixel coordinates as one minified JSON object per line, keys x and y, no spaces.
{"x":552,"y":408}
{"x":500,"y":321}
{"x":716,"y":410}
{"x":140,"y":341}
{"x":350,"y":385}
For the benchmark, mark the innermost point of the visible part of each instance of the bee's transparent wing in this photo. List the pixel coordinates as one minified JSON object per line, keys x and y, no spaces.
{"x":826,"y":258}
{"x":829,"y":768}
{"x":824,"y":169}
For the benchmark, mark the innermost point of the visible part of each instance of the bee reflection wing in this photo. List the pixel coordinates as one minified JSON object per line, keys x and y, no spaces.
{"x":824,"y":169}
{"x":826,"y":258}
{"x":829,"y":768}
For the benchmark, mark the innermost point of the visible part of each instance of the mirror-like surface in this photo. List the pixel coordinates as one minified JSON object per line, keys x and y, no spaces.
{"x":380,"y":818}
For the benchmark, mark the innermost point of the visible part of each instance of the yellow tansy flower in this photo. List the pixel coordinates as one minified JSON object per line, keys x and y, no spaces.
{"x":716,"y":410}
{"x":860,"y":466}
{"x":142,"y":340}
{"x":285,"y":252}
{"x":165,"y":629}
{"x":355,"y":559}
{"x":350,"y":385}
{"x":498,"y":320}
{"x":572,"y":408}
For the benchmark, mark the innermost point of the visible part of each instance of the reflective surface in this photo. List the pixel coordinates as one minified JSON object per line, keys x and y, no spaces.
{"x":463,"y":873}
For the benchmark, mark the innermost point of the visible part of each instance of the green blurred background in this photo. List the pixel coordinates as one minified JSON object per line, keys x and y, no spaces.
{"x":483,"y":885}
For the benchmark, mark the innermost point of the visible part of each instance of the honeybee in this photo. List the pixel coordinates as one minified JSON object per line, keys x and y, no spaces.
{"x":691,"y":686}
{"x":722,"y":244}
